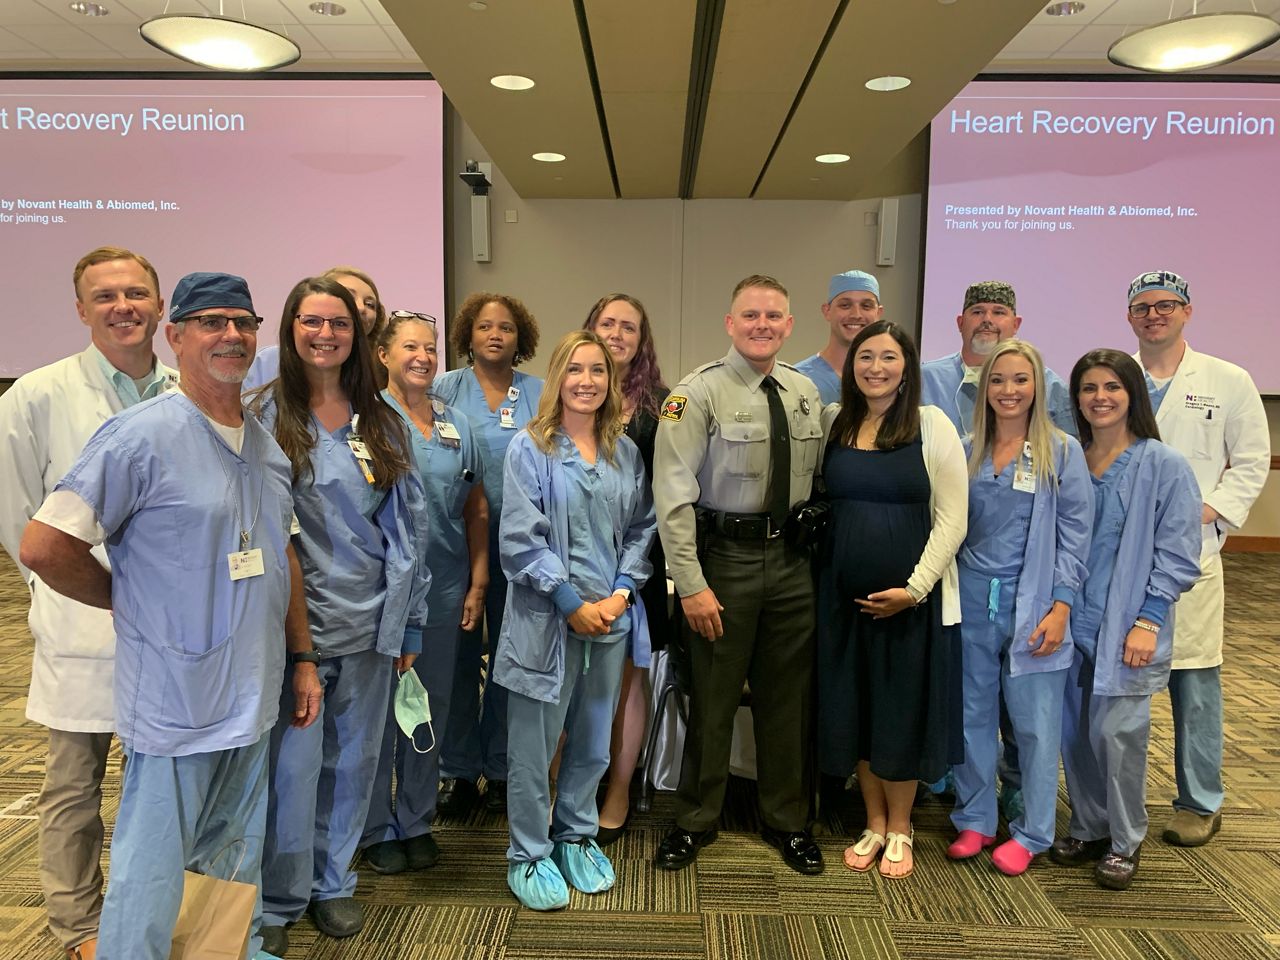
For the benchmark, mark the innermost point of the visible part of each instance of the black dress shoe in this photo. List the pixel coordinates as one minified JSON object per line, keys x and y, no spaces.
{"x":1070,"y":852}
{"x":1115,"y":872}
{"x":275,"y":940}
{"x":388,"y":857}
{"x":422,"y":852}
{"x":456,"y":797}
{"x":798,"y":849}
{"x":495,"y":796}
{"x":680,"y":847}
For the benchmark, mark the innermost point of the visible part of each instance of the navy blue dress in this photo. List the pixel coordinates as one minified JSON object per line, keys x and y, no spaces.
{"x":886,"y":692}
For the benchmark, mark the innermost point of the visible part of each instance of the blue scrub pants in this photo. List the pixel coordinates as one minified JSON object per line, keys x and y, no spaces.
{"x":321,"y":778}
{"x":588,"y":699}
{"x":1196,"y":697}
{"x":417,"y":774}
{"x":176,"y":814}
{"x":1034,"y":702}
{"x":1104,"y":758}
{"x":477,"y":741}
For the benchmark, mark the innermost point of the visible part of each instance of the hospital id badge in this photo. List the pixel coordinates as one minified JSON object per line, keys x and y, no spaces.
{"x":507,"y":417}
{"x":359,"y":449}
{"x":1024,"y":475}
{"x":449,"y":435}
{"x":245,"y":564}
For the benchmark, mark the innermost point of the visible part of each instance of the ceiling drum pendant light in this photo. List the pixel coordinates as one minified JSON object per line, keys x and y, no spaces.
{"x":1194,"y":42}
{"x":221,"y":42}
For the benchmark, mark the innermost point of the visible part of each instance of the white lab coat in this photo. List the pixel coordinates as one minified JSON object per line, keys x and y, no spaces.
{"x":46,"y":418}
{"x":1212,"y":414}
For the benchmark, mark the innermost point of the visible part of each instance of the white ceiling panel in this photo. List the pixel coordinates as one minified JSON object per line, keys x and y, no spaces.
{"x":1038,"y":42}
{"x":354,"y":39}
{"x":11,"y":43}
{"x":66,"y":41}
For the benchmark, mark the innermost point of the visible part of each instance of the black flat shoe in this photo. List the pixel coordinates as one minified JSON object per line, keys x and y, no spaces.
{"x":1070,"y":852}
{"x":798,"y":850}
{"x":608,"y":835}
{"x":680,"y":847}
{"x":495,"y":796}
{"x":1115,"y":872}
{"x":456,"y":797}
{"x":422,"y":852}
{"x":388,"y":857}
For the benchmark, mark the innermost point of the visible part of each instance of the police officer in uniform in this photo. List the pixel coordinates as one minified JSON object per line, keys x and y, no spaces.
{"x":737,"y":444}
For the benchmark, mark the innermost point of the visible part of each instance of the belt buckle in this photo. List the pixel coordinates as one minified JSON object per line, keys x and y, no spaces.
{"x":771,"y":532}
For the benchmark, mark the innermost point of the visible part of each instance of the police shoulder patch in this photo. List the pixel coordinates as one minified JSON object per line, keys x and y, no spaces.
{"x":673,"y":409}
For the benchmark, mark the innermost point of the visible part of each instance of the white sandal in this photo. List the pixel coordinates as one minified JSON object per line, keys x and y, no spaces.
{"x":868,"y":845}
{"x":894,"y":854}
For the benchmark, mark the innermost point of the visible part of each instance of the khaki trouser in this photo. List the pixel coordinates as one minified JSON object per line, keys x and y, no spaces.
{"x":71,"y":833}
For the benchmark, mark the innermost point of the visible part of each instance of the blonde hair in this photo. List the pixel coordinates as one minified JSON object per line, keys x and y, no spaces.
{"x":1043,"y":436}
{"x":543,"y":427}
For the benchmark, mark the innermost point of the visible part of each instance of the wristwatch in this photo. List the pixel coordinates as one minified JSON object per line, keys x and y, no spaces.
{"x":306,"y":656}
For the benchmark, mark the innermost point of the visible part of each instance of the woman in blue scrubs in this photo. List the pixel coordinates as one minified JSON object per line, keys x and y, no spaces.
{"x":496,"y":333}
{"x":1145,"y":554}
{"x":1021,"y":564}
{"x":577,"y":523}
{"x":621,"y":322}
{"x":361,"y":544}
{"x":449,"y":463}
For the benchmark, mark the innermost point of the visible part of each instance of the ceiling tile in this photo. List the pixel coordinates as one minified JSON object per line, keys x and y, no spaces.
{"x":368,"y":39}
{"x":357,"y":14}
{"x":1036,"y":42}
{"x":31,"y":11}
{"x":11,"y":43}
{"x":1092,"y":10}
{"x":64,"y":41}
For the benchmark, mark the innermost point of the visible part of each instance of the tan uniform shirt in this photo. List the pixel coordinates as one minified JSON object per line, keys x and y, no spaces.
{"x":712,"y":450}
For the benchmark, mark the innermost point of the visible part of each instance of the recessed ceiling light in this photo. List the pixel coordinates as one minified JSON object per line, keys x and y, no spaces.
{"x":549,"y":157}
{"x":1066,"y":9}
{"x":946,"y":3}
{"x":326,"y":9}
{"x":478,"y":5}
{"x":511,"y":81}
{"x":887,"y":84}
{"x":832,"y":158}
{"x":89,"y":9}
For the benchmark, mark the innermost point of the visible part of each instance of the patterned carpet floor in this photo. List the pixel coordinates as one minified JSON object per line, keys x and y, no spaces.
{"x":1219,"y":902}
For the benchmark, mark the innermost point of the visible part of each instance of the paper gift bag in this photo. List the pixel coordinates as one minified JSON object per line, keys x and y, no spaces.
{"x":215,"y":919}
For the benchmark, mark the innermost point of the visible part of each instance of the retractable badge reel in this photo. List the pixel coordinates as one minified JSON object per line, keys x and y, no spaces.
{"x":359,"y":450}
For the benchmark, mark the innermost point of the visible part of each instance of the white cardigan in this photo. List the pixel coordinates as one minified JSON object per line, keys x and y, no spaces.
{"x":944,"y":461}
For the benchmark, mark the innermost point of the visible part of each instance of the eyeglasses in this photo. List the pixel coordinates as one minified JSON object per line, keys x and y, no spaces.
{"x":336,"y":324}
{"x":1163,"y":308}
{"x":410,"y":315}
{"x":216,"y":323}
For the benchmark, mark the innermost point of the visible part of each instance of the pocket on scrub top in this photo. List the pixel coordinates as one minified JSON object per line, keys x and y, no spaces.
{"x":200,"y":690}
{"x":747,"y":449}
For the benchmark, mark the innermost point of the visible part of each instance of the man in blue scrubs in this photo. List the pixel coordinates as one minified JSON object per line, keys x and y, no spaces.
{"x":193,"y":501}
{"x":853,"y":301}
{"x":950,"y":383}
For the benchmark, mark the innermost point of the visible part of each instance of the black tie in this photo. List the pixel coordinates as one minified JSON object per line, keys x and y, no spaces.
{"x":779,"y":456}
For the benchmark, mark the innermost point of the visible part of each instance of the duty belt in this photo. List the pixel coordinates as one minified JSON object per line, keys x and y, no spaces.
{"x":745,"y":526}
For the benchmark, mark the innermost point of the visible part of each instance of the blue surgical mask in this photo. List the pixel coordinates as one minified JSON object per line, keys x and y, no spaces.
{"x":413,"y":708}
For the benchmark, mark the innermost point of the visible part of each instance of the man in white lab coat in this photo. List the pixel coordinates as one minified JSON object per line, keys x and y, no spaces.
{"x":46,"y":418}
{"x":1209,"y":411}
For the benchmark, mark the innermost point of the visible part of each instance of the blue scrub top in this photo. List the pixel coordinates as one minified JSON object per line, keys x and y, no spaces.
{"x":1157,"y":393}
{"x":264,"y":369}
{"x":824,"y":377}
{"x":199,"y":656}
{"x":449,"y":473}
{"x":594,"y":491}
{"x":942,"y":385}
{"x":999,"y":520}
{"x":1108,"y":523}
{"x":460,"y":389}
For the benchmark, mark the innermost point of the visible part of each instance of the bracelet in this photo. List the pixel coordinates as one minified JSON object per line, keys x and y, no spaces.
{"x":1149,"y":627}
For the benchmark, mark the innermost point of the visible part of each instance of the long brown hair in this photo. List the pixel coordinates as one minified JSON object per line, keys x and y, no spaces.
{"x":1141,"y":419}
{"x":543,"y":427}
{"x":901,"y":424}
{"x":380,"y":427}
{"x":643,"y":384}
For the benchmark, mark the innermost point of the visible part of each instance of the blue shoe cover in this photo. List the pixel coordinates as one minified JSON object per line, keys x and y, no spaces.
{"x":947,"y":785}
{"x":538,"y":884}
{"x":584,"y":865}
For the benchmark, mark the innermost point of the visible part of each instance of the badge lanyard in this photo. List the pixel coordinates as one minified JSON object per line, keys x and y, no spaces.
{"x":359,"y":450}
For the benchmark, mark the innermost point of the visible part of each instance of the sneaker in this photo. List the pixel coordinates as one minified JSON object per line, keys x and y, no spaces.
{"x":538,"y":884}
{"x":1190,"y":829}
{"x":584,"y":865}
{"x":339,"y":917}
